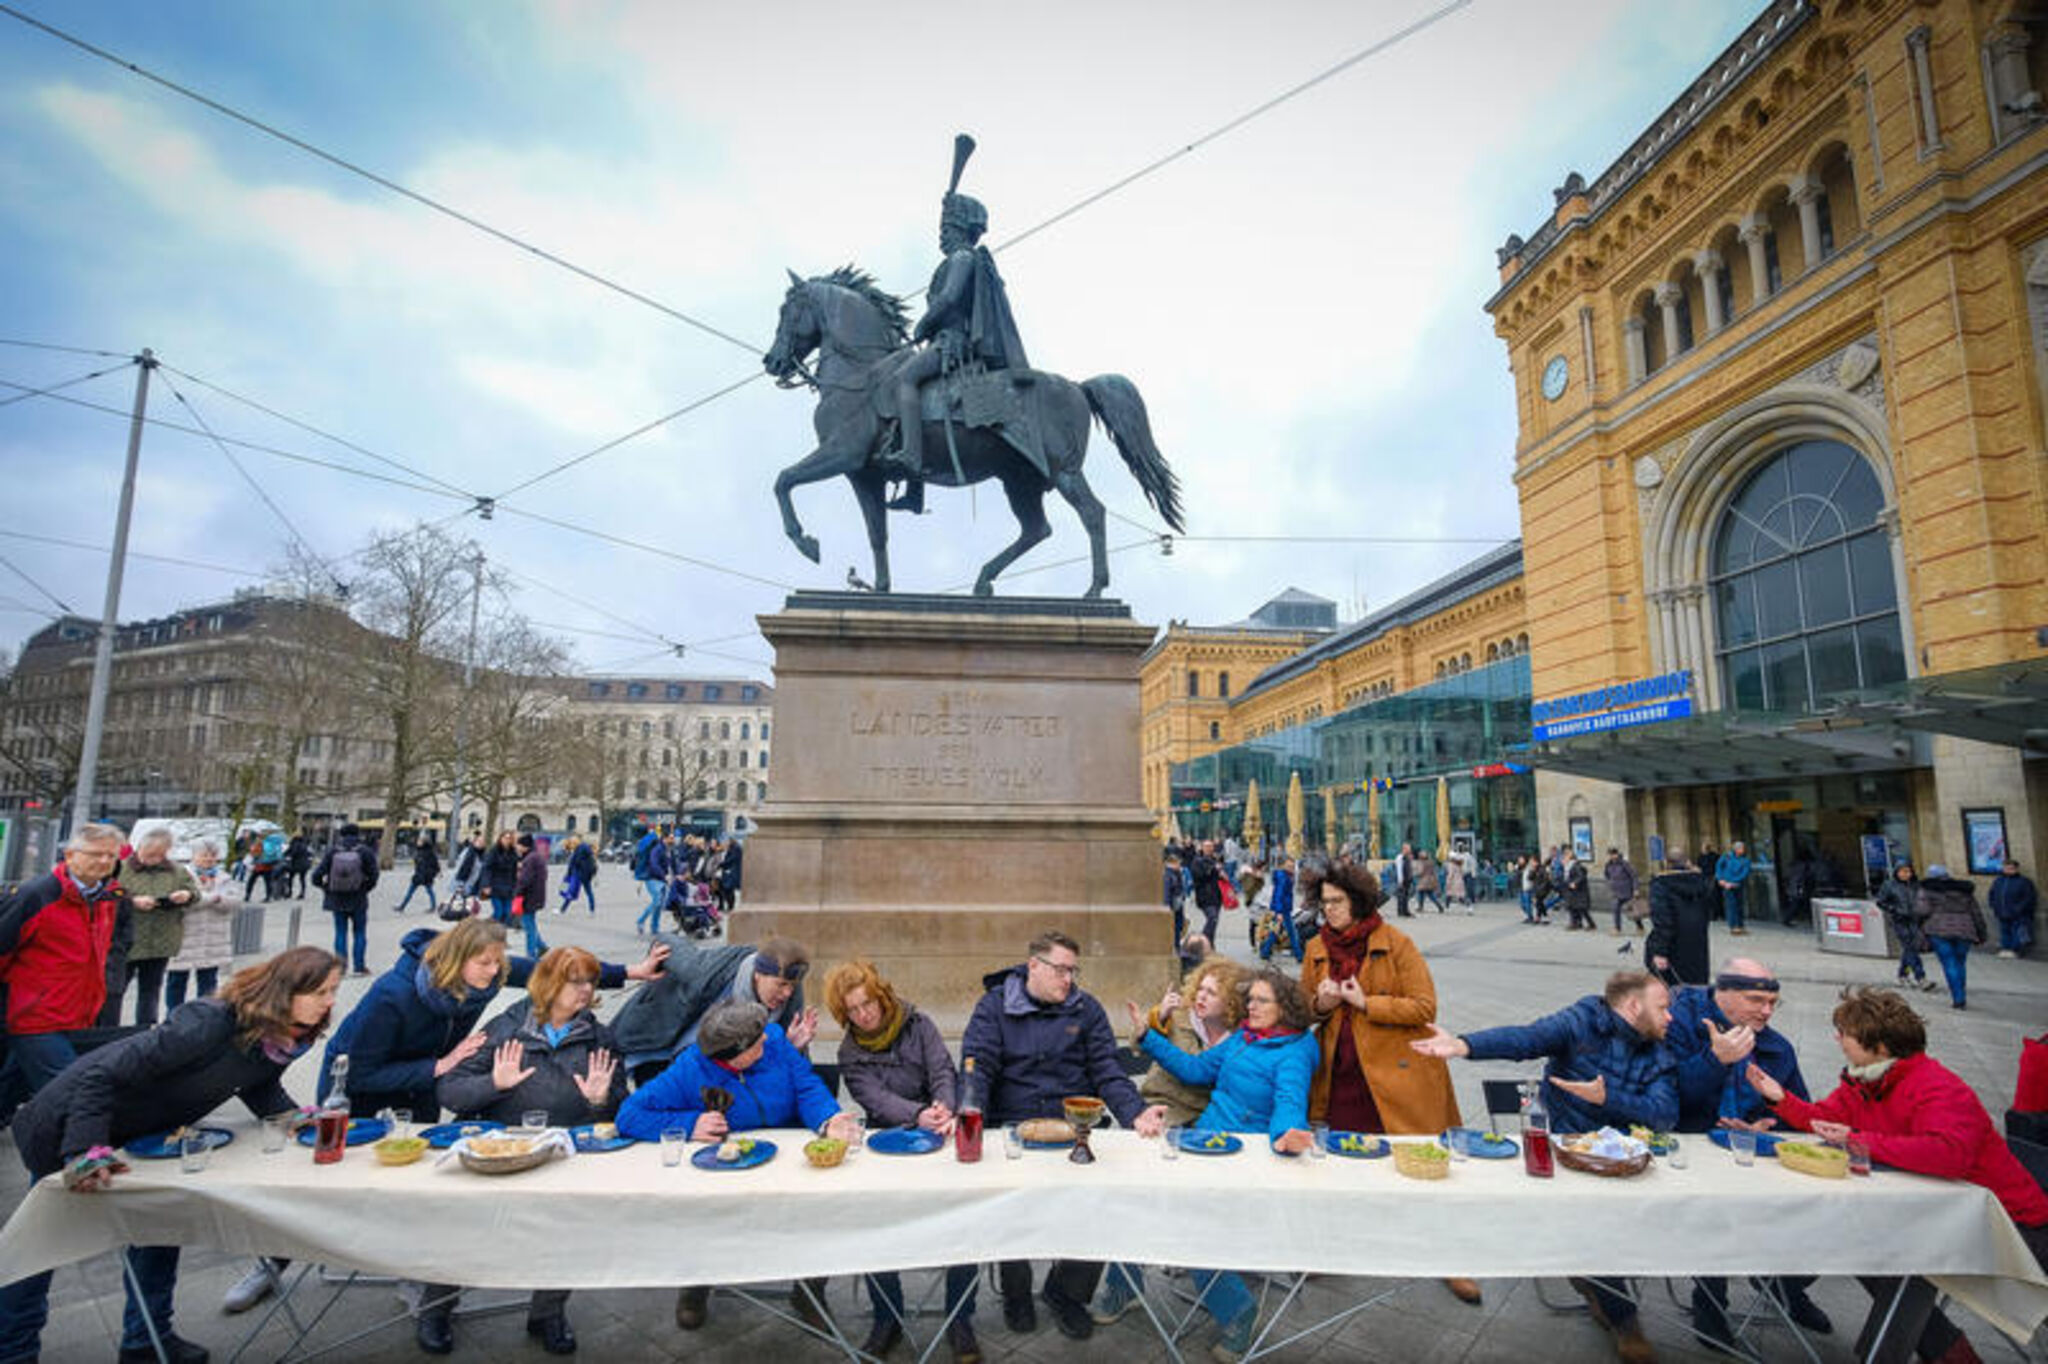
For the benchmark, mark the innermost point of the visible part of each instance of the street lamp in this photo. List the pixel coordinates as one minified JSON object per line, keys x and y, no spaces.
{"x":149,"y":781}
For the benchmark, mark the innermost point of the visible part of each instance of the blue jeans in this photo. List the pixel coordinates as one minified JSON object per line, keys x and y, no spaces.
{"x":432,"y":904}
{"x":174,"y":985}
{"x":1224,"y":1295}
{"x":360,"y":920}
{"x":1909,"y":961}
{"x":1731,"y":904}
{"x":531,"y":920}
{"x":1955,"y":964}
{"x":885,"y":1293}
{"x":1528,"y":908}
{"x":501,"y":908}
{"x":33,"y":1060}
{"x":588,"y":892}
{"x":25,"y":1304}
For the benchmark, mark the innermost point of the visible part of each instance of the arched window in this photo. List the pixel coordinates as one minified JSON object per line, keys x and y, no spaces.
{"x":1805,"y":606}
{"x":1522,"y":643}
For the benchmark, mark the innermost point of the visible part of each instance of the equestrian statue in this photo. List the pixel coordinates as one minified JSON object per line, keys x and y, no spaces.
{"x":951,"y":401}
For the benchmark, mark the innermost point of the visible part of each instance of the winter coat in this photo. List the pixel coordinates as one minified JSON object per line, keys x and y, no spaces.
{"x":1032,"y":1054}
{"x":1708,"y":1090}
{"x":1621,"y":880}
{"x":1412,"y":1091}
{"x":172,"y":1075}
{"x":347,"y":902}
{"x":1680,"y":907}
{"x":2013,"y":898}
{"x":426,"y":864}
{"x":1948,"y":909}
{"x":298,"y":855}
{"x":531,"y":889}
{"x":1255,"y":1086}
{"x":1425,"y":872}
{"x":1900,"y":901}
{"x":583,"y":864}
{"x":469,"y":1091}
{"x":660,"y":1018}
{"x":209,"y":925}
{"x":1732,"y":868}
{"x":1920,"y":1116}
{"x":58,"y":953}
{"x":1578,"y":890}
{"x":501,"y":872}
{"x":1583,"y":1041}
{"x":779,"y":1090}
{"x":731,"y":866}
{"x":1184,"y":1101}
{"x":160,"y":931}
{"x":1206,"y":878}
{"x":894,"y":1086}
{"x":398,"y":1031}
{"x":468,"y":868}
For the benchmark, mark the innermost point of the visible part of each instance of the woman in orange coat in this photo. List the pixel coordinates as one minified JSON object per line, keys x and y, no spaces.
{"x":1372,"y":995}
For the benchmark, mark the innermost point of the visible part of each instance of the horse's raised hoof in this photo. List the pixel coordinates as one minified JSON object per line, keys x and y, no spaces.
{"x":807,"y":545}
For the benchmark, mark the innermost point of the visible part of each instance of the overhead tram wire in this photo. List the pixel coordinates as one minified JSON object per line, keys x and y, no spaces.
{"x":68,"y":383}
{"x":11,"y":567}
{"x":374,"y":178}
{"x":644,"y":632}
{"x":66,"y":350}
{"x":657,"y":550}
{"x":685,"y":410}
{"x":255,"y":575}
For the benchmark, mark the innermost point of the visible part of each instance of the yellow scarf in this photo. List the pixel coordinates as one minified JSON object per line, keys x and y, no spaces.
{"x":885,"y":1036}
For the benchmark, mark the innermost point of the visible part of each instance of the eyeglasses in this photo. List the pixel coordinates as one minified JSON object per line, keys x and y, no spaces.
{"x":1069,"y":972}
{"x":581,"y":982}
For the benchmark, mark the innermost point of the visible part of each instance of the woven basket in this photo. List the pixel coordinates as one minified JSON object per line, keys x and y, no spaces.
{"x":399,"y":1151}
{"x":1410,"y":1160}
{"x":1825,"y":1162}
{"x":539,"y":1153}
{"x":1600,"y":1165}
{"x":825,"y":1153}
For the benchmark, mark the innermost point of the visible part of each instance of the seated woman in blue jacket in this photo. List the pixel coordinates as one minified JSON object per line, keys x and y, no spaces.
{"x":1259,"y":1080}
{"x":770,"y":1085}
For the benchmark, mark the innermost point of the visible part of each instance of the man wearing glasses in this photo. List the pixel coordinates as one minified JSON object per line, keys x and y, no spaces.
{"x":659,"y":1020}
{"x":1037,"y":1038}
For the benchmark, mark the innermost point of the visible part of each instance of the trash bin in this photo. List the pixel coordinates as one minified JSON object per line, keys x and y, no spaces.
{"x":248,"y":931}
{"x":1856,"y":927}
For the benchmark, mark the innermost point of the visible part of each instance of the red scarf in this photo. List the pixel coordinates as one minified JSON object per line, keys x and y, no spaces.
{"x":1347,"y":946}
{"x":1252,"y":1034}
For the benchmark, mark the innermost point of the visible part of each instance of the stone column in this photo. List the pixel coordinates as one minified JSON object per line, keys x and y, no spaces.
{"x":1638,"y":356}
{"x":1710,"y":265}
{"x":1667,"y":297}
{"x":1663,"y":639}
{"x":2011,"y":87}
{"x":1698,"y":656}
{"x":1751,"y":231}
{"x":1923,"y":77}
{"x":1806,"y":194}
{"x":1895,"y":540}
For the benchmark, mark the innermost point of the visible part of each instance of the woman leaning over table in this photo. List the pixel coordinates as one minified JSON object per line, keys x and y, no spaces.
{"x":1372,"y":995}
{"x":1914,"y":1113}
{"x":1203,"y":1010}
{"x":236,"y":1045}
{"x":896,"y":1067}
{"x":1258,"y":1082}
{"x":548,"y":1051}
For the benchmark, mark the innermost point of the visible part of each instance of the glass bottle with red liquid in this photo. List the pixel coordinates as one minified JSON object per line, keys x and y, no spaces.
{"x":967,"y":1114}
{"x":330,"y":1124}
{"x":1536,"y":1158}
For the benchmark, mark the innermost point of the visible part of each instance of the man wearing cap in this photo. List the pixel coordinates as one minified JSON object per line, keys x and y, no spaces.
{"x":1715,"y":1035}
{"x":661,"y":1018}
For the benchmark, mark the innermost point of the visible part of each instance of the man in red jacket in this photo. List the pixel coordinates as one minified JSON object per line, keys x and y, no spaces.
{"x":1914,"y":1113}
{"x":62,"y":936}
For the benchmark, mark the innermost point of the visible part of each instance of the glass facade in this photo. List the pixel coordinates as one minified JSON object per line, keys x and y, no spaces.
{"x":1415,"y":746}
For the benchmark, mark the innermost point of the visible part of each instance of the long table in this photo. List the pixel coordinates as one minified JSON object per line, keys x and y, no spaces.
{"x":623,"y":1220}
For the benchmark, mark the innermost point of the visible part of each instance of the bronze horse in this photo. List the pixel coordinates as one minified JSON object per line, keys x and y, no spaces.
{"x":857,"y":330}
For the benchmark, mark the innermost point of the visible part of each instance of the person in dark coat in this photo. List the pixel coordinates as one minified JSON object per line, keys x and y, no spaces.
{"x":1036,"y":1037}
{"x":531,"y":891}
{"x":1899,"y":900}
{"x":1681,"y":906}
{"x":1205,"y":874}
{"x":581,"y":875}
{"x":2013,"y":903}
{"x":1578,"y":896}
{"x":1621,"y":888}
{"x":298,"y":862}
{"x":501,"y":875}
{"x":1954,"y":924}
{"x":346,"y":876}
{"x":237,"y":1044}
{"x":730,"y":869}
{"x":656,"y":1023}
{"x":548,"y":1051}
{"x":469,"y":867}
{"x":426,"y":865}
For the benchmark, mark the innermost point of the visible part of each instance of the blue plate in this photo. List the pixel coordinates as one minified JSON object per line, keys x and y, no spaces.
{"x":905,"y":1141}
{"x":448,"y":1133}
{"x":1210,"y":1143}
{"x":360,"y":1131}
{"x":1480,"y":1146}
{"x":1766,"y":1142}
{"x":1364,"y":1146}
{"x":707,"y":1157}
{"x":159,"y":1146}
{"x":588,"y":1141}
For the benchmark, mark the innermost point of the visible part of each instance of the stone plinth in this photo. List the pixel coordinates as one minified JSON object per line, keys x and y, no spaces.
{"x":952,"y":776}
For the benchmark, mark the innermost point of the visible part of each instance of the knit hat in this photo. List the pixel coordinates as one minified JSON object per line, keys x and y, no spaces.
{"x":730,"y":1028}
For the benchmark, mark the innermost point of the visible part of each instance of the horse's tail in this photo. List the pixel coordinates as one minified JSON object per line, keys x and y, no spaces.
{"x":1115,"y":402}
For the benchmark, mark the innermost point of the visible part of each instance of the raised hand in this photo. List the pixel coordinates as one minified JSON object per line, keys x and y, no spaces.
{"x":1352,"y":993}
{"x":1593,"y":1091}
{"x":649,"y":966}
{"x":507,"y":1070}
{"x":595,"y":1083}
{"x":1761,"y":1080}
{"x":803,"y":1028}
{"x":1730,"y":1046}
{"x":466,"y":1048}
{"x":1441,"y":1043}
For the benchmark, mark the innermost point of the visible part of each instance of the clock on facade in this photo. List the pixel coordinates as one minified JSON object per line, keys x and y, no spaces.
{"x":1556,"y":375}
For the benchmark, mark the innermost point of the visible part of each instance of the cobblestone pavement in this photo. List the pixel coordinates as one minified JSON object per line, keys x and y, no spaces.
{"x":1489,"y":969}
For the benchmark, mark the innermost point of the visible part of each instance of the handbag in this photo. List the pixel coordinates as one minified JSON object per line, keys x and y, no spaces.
{"x":1229,"y":892}
{"x":1637,"y":908}
{"x":518,"y":905}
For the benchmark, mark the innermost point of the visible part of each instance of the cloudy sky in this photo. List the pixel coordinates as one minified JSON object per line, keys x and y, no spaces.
{"x":1298,"y":301}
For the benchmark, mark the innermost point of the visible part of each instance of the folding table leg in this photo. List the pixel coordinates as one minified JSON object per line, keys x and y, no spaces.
{"x":156,"y":1341}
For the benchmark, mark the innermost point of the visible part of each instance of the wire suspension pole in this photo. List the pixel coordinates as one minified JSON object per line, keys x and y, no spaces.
{"x":103,"y":648}
{"x":476,"y":596}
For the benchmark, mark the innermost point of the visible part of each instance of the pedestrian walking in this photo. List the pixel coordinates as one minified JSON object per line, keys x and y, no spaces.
{"x":1899,"y":900}
{"x":581,"y":876}
{"x":530,"y":892}
{"x":1426,"y":885}
{"x":1621,"y":885}
{"x":345,"y":877}
{"x":1954,"y":924}
{"x":426,"y":865}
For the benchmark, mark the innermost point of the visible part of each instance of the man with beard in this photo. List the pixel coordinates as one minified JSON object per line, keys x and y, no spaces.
{"x":1606,"y":1064}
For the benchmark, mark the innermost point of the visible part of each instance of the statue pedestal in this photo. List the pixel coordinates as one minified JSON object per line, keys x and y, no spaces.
{"x":954,"y":775}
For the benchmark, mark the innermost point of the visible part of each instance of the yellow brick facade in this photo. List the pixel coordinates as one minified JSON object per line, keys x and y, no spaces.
{"x":1185,"y":682}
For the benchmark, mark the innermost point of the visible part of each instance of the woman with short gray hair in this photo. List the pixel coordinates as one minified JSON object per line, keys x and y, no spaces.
{"x":209,"y":925}
{"x":160,"y":890}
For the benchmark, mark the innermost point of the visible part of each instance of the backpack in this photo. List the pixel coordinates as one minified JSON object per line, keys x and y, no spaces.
{"x":273,"y":848}
{"x":345,"y":872}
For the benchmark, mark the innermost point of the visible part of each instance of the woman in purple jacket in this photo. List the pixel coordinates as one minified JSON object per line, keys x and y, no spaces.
{"x":896,"y":1067}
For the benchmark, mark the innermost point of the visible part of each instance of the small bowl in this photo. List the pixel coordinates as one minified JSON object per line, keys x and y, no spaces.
{"x":1422,"y":1160}
{"x":825,"y":1152}
{"x":399,"y":1150}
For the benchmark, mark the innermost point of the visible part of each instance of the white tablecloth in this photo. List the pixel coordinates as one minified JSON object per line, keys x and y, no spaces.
{"x":622,"y":1220}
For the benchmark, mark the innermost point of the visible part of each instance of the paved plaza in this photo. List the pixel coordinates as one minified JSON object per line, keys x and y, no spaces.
{"x":1489,"y":969}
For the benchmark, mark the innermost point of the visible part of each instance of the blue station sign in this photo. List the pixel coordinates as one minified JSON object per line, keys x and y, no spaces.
{"x":1644,"y":701}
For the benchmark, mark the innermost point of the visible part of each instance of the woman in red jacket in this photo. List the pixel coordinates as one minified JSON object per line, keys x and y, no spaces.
{"x":1916,"y":1114}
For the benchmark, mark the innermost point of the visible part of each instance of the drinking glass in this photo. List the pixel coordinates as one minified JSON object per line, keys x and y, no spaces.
{"x":857,"y":1138}
{"x":1013,"y":1143}
{"x":673,"y":1142}
{"x":276,"y":1132}
{"x":195,"y":1149}
{"x":1169,"y":1144}
{"x":1318,"y":1140}
{"x":1676,"y":1157}
{"x":1458,"y":1141}
{"x":534,"y":1119}
{"x":1859,"y":1156}
{"x":401,"y":1122}
{"x":1743,"y":1144}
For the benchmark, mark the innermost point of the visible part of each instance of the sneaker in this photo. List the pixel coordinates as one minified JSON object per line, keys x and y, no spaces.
{"x":2006,"y":955}
{"x":177,"y":1349}
{"x":1234,"y":1340}
{"x":1739,"y":932}
{"x":1926,"y":984}
{"x":253,"y":1287}
{"x":1115,"y":1299}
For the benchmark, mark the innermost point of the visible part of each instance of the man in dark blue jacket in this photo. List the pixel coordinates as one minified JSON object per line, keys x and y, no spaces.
{"x":1715,"y":1034}
{"x":1035,"y":1039}
{"x":1606,"y":1064}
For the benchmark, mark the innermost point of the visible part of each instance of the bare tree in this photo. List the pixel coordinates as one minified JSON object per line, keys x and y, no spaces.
{"x":40,"y":739}
{"x":518,"y":739}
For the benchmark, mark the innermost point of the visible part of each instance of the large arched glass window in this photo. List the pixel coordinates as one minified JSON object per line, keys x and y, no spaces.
{"x":1804,"y":601}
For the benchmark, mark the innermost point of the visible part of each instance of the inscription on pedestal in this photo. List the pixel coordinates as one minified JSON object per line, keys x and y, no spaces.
{"x":964,"y":743}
